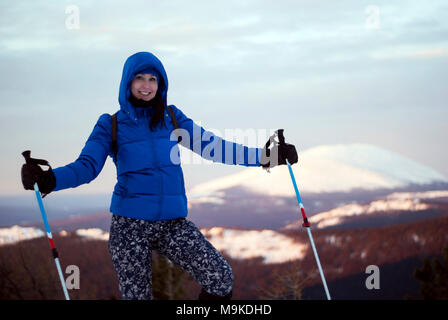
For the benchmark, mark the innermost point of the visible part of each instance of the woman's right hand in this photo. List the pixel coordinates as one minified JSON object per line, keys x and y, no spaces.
{"x":32,"y":173}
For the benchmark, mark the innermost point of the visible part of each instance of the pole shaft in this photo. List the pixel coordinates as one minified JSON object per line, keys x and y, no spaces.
{"x":50,"y":240}
{"x":61,"y":277}
{"x":318,"y":263}
{"x":308,"y":228}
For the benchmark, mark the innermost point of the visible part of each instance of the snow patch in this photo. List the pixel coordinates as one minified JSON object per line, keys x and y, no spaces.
{"x":16,"y":233}
{"x":272,"y":246}
{"x":417,"y":239}
{"x":93,"y":233}
{"x":334,"y":240}
{"x":398,"y":201}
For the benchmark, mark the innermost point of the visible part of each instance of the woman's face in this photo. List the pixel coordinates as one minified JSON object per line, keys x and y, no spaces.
{"x":144,"y":86}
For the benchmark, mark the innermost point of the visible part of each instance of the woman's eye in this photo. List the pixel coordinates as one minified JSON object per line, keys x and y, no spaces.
{"x":153,"y":79}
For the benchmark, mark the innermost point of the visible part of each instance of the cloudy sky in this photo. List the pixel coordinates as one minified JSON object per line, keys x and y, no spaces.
{"x":327,"y":72}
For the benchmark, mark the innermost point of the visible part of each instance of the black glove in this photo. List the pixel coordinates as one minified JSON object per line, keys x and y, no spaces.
{"x":32,"y":173}
{"x":278,"y":154}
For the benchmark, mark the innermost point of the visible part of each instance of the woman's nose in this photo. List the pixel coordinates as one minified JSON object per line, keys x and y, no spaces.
{"x":146,"y":84}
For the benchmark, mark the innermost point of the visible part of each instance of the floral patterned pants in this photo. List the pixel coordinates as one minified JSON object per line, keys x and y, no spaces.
{"x":131,"y":243}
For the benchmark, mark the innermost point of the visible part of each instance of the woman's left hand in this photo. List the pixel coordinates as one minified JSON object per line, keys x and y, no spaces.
{"x":278,"y":155}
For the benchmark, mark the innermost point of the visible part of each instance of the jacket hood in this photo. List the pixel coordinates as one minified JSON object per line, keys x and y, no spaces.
{"x":138,"y":62}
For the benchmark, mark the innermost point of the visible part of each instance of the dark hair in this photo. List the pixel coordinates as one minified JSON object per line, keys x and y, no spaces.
{"x":159,"y":112}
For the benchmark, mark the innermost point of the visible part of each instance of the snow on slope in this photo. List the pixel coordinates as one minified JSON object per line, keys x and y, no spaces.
{"x":272,"y":246}
{"x":329,"y":168}
{"x":397,"y":201}
{"x":16,"y":233}
{"x":93,"y":233}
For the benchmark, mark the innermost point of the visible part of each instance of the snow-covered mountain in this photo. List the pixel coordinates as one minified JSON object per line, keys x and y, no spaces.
{"x":329,"y":168}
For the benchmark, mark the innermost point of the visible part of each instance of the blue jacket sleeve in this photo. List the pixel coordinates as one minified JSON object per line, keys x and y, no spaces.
{"x":91,"y":160}
{"x":214,"y":148}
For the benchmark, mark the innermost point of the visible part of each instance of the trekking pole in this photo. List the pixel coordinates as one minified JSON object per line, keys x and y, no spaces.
{"x":54,"y":251}
{"x":305,"y":224}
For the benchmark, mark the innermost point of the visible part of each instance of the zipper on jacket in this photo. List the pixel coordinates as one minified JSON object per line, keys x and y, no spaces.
{"x":161,"y":177}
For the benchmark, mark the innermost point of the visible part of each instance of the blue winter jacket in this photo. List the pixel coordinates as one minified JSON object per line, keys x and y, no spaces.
{"x":150,"y":184}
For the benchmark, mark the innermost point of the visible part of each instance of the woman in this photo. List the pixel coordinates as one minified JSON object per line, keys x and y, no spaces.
{"x":149,"y":204}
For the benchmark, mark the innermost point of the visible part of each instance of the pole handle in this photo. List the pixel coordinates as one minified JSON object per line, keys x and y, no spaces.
{"x":27,"y":155}
{"x":281,"y":137}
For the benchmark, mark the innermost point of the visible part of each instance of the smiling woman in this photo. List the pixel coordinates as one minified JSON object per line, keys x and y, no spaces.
{"x":145,"y":94}
{"x":144,"y":86}
{"x":149,"y":202}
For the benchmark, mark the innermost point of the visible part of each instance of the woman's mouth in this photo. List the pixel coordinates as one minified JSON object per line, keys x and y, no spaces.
{"x":144,"y":93}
